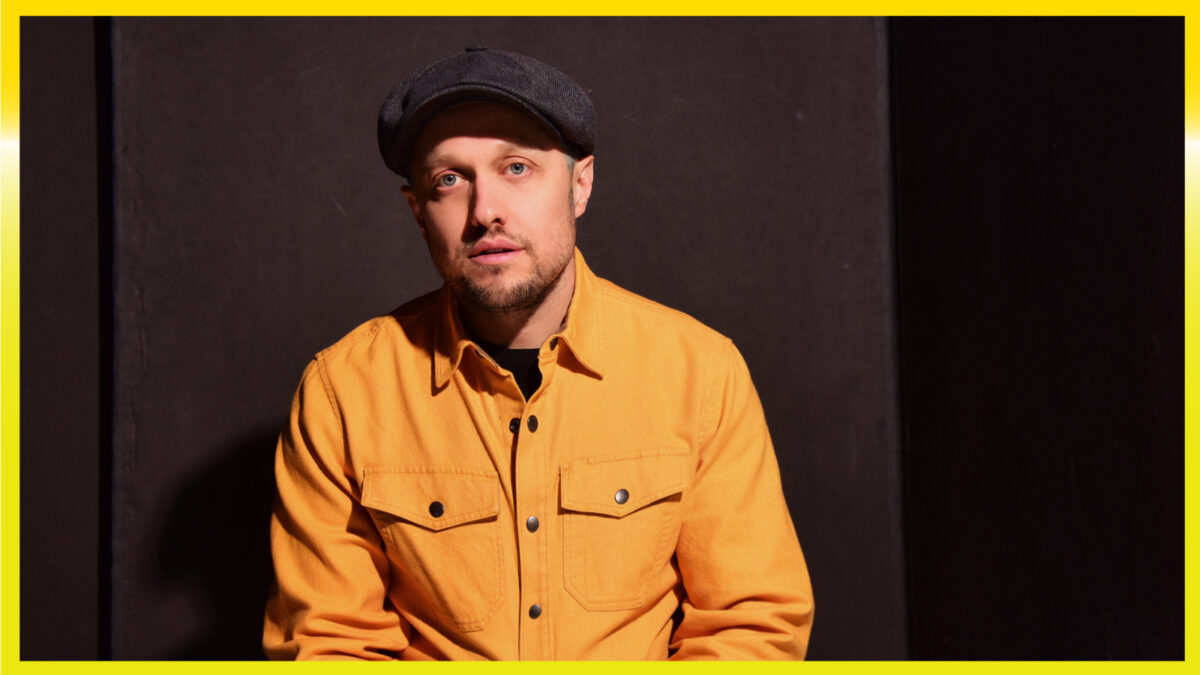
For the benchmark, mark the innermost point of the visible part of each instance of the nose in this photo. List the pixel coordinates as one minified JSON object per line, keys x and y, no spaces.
{"x":487,"y":203}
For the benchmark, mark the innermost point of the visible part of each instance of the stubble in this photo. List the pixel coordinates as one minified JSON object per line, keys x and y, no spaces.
{"x":527,"y":294}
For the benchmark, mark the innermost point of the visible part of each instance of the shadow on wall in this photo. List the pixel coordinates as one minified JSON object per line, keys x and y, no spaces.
{"x":216,"y":547}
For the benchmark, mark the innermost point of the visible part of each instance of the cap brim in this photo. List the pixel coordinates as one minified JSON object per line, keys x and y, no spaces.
{"x":448,"y":98}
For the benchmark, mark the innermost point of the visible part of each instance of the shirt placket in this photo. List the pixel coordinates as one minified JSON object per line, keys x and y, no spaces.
{"x":534,"y":492}
{"x":520,"y":427}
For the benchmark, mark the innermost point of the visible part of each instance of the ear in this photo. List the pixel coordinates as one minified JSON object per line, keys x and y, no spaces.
{"x":581,"y":183}
{"x":414,"y":204}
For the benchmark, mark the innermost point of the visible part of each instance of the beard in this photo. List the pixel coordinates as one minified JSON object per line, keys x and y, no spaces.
{"x":521,"y":296}
{"x":525,"y":294}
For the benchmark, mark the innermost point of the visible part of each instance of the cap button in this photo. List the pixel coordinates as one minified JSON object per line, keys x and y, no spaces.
{"x":477,"y":49}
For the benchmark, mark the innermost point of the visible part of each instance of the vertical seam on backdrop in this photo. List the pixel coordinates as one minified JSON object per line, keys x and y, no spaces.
{"x":106,"y":231}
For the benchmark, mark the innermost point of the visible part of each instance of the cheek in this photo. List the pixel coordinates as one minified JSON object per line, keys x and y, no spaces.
{"x":440,"y":230}
{"x":441,"y":247}
{"x":553,"y":215}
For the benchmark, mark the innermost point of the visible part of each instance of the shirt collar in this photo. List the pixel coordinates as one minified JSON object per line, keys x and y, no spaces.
{"x":580,"y":334}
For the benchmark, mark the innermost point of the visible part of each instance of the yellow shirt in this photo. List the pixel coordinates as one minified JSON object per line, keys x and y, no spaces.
{"x":427,"y":511}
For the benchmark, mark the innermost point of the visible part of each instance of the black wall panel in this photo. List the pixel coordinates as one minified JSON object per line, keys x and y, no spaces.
{"x":61,"y":379}
{"x":741,"y":176}
{"x":1039,"y":176}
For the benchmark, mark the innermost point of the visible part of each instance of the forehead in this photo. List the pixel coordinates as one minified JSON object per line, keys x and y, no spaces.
{"x":481,"y":120}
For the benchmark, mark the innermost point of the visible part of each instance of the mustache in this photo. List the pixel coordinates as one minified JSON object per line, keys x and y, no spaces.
{"x":479,"y":233}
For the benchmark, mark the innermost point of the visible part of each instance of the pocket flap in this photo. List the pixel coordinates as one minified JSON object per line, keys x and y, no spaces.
{"x":456,"y":494}
{"x":616,"y":486}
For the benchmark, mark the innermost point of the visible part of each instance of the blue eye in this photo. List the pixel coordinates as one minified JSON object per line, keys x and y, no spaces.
{"x":447,"y":180}
{"x":517,"y":168}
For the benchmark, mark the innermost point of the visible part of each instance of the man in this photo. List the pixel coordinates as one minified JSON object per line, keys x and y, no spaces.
{"x":530,"y":463}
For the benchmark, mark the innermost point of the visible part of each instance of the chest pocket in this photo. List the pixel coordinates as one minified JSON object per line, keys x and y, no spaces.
{"x":441,"y":528}
{"x":621,"y":519}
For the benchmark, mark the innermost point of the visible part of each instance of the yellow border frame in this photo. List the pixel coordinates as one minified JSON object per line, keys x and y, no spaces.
{"x":10,"y":287}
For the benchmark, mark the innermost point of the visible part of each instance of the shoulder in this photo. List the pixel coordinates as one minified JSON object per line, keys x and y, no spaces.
{"x":650,"y":318}
{"x":409,"y":325}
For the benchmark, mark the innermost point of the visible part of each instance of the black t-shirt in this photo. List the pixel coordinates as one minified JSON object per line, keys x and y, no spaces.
{"x":522,"y":363}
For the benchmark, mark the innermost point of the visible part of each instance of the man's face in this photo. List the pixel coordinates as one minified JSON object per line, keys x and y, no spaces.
{"x":496,"y":200}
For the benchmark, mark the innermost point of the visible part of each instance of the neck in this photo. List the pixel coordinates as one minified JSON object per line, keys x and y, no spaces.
{"x":527,"y":328}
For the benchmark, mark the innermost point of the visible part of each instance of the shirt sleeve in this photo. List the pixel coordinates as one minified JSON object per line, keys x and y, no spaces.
{"x":747,"y":590}
{"x":329,"y":599}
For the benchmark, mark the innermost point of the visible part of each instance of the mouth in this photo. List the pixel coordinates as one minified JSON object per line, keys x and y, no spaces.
{"x":494,"y":252}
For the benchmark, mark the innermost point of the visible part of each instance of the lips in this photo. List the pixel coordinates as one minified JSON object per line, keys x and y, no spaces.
{"x":493,"y":251}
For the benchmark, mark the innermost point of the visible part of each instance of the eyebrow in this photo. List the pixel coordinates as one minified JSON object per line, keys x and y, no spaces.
{"x":506,"y":148}
{"x":433,"y":160}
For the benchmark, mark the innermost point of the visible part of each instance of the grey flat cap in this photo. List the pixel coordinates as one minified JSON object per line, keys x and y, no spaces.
{"x":481,"y":74}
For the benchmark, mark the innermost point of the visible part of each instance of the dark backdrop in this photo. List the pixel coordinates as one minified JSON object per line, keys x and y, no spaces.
{"x":1039,"y":176}
{"x":203,"y":208}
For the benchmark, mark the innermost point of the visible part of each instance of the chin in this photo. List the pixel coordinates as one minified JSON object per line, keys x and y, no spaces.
{"x":501,"y":296}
